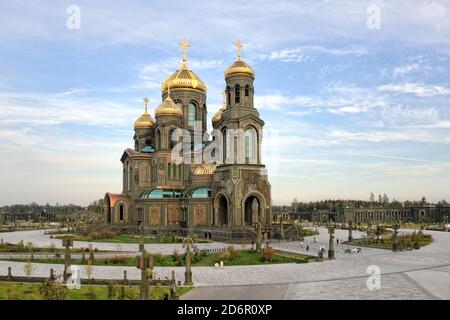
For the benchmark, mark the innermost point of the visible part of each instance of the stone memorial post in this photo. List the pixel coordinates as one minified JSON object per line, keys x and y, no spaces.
{"x":188,"y":273}
{"x":91,"y":253}
{"x":281,"y":227}
{"x":173,"y":287}
{"x":141,"y":237}
{"x":350,"y":235}
{"x":9,"y":276}
{"x":300,"y":230}
{"x":124,"y":280}
{"x":394,"y":238}
{"x":67,"y":242}
{"x":142,"y":262}
{"x":255,"y":214}
{"x":331,"y":244}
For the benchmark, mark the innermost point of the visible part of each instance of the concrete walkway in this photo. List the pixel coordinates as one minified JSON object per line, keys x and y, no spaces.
{"x":421,"y":274}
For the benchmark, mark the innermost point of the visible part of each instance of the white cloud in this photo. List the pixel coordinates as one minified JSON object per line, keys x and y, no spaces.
{"x":419,"y":90}
{"x":300,"y":54}
{"x":55,"y":109}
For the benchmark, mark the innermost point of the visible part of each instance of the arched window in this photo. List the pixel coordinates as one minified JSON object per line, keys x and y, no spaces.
{"x":237,"y":94}
{"x":121,"y":211}
{"x":158,"y":139}
{"x":250,"y":145}
{"x":171,"y":143}
{"x":228,"y":96}
{"x":247,"y":90}
{"x":192,"y":114}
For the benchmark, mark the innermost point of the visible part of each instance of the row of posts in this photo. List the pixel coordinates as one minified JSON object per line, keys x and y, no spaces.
{"x":145,"y":262}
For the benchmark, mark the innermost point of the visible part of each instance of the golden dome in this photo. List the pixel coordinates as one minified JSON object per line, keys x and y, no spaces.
{"x":184,"y":78}
{"x":168,"y":108}
{"x":144,"y":121}
{"x":205,"y":169}
{"x":239,"y":66}
{"x":218,"y":116}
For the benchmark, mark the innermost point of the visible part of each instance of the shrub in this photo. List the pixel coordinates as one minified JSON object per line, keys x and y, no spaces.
{"x":268,"y":254}
{"x":118,"y":260}
{"x":233,"y":252}
{"x":175,"y":255}
{"x":157,"y":257}
{"x":217,"y":257}
{"x":111,"y":290}
{"x":226,"y":255}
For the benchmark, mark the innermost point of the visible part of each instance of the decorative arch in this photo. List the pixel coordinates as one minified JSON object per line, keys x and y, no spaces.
{"x":237,"y":93}
{"x":251,"y":145}
{"x":192,"y":113}
{"x":247,"y":90}
{"x":158,"y":139}
{"x":222,"y":209}
{"x":170,"y":143}
{"x":262,"y":207}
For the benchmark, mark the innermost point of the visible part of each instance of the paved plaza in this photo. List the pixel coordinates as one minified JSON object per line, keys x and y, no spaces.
{"x":420,"y":274}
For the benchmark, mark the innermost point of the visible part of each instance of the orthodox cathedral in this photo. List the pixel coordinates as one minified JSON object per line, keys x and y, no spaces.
{"x":221,"y":196}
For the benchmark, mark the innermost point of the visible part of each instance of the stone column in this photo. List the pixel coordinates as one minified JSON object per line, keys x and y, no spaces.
{"x":281,"y":228}
{"x":67,"y":243}
{"x":141,"y":237}
{"x":394,"y":238}
{"x":9,"y":277}
{"x":188,"y":273}
{"x":331,"y":244}
{"x":142,"y":263}
{"x":350,"y":235}
{"x":173,"y":287}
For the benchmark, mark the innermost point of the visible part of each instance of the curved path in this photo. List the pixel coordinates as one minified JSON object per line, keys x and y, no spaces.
{"x":421,"y":274}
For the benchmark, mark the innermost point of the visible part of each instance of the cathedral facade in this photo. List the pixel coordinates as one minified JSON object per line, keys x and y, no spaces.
{"x":215,"y":185}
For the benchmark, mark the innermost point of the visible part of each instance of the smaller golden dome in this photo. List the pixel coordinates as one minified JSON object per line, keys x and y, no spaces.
{"x":239,"y":66}
{"x":218,"y":116}
{"x":144,"y":121}
{"x":205,"y":169}
{"x":168,"y":108}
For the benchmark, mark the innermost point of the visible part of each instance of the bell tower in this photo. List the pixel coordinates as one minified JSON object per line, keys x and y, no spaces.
{"x":240,"y":178}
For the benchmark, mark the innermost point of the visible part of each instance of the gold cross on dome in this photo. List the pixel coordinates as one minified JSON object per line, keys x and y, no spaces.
{"x":146,"y":101}
{"x":184,"y":45}
{"x":239,"y":47}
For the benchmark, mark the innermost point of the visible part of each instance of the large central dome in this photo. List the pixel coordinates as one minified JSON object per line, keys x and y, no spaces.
{"x":184,"y":78}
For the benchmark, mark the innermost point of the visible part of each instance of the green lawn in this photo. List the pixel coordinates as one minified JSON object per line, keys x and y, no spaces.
{"x":415,"y":241}
{"x":241,"y":258}
{"x":25,"y":291}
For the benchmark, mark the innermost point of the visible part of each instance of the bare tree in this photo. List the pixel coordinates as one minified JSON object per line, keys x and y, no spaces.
{"x":28,"y":268}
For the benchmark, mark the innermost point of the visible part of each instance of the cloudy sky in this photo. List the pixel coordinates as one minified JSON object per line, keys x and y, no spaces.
{"x":353,"y":104}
